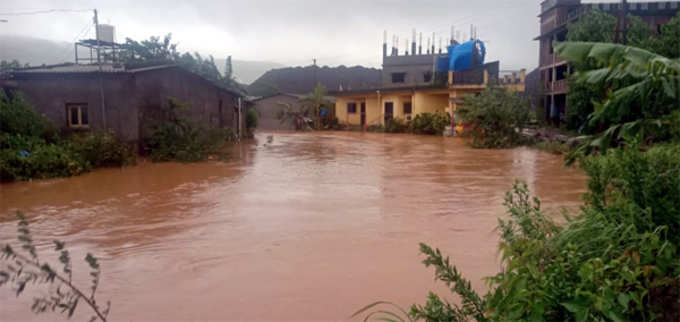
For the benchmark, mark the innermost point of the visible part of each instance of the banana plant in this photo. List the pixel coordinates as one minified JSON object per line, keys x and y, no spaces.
{"x":643,"y":92}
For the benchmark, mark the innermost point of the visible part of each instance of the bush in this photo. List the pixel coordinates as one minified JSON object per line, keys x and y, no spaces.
{"x":396,"y":125}
{"x":616,"y":260}
{"x":177,"y":138}
{"x":496,"y":117}
{"x":251,"y":119}
{"x":554,"y":147}
{"x":101,"y":149}
{"x":430,"y":123}
{"x":30,"y":146}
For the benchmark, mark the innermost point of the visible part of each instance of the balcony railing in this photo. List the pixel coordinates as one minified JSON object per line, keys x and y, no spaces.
{"x":557,"y":87}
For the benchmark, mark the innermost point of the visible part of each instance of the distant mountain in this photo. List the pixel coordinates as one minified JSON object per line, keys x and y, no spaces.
{"x":35,"y":51}
{"x":246,"y":71}
{"x":38,"y":51}
{"x":301,"y":80}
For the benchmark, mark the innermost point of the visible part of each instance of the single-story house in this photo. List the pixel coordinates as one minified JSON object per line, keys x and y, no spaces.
{"x":82,"y":97}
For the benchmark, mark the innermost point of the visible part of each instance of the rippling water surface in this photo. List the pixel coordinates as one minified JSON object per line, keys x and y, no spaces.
{"x":311,"y":226}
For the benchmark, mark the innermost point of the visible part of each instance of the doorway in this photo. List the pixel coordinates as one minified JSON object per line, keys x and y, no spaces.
{"x":389,"y":111}
{"x":363,"y":114}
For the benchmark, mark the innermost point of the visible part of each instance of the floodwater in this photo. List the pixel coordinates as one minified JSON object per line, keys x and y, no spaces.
{"x":311,"y":226}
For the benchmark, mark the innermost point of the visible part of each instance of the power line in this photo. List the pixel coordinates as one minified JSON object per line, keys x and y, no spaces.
{"x":37,"y":12}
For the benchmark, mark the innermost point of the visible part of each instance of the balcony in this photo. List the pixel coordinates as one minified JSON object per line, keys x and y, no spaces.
{"x":557,"y":87}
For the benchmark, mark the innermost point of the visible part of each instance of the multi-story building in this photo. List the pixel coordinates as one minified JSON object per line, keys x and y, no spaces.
{"x":432,"y":82}
{"x":554,"y":17}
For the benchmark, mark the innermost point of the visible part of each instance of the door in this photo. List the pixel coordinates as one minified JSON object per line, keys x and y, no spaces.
{"x":363,"y":113}
{"x":389,"y":110}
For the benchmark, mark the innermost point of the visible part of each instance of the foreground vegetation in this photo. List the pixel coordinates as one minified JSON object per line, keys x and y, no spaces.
{"x":31,"y":147}
{"x":618,"y":259}
{"x":23,"y":268}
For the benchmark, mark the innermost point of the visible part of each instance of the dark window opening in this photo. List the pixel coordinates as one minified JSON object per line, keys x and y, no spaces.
{"x":562,"y":72}
{"x":351,"y":108}
{"x":398,"y":77}
{"x":427,"y":76}
{"x":407,"y":108}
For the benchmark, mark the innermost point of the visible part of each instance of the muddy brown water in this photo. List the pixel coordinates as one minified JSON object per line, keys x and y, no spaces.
{"x":309,"y":227}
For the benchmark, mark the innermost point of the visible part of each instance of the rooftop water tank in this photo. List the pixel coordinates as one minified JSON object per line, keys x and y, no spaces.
{"x":106,"y":33}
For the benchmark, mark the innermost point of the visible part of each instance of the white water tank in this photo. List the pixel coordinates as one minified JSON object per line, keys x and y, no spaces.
{"x":106,"y":33}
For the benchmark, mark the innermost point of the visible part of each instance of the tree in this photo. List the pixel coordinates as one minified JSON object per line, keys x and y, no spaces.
{"x":643,"y":91}
{"x":597,"y":26}
{"x":315,"y":102}
{"x":155,"y":51}
{"x":495,"y":116}
{"x":668,"y":41}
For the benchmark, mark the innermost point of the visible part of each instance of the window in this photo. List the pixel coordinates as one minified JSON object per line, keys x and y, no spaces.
{"x":77,"y":116}
{"x":407,"y":108}
{"x":427,"y":76}
{"x":398,"y":77}
{"x":351,"y":108}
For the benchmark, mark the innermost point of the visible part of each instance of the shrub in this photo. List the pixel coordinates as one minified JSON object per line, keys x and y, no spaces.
{"x":101,"y":149}
{"x":30,"y":146}
{"x":554,"y":147}
{"x":17,"y":117}
{"x":396,"y":125}
{"x":251,"y":119}
{"x":615,"y":260}
{"x":496,"y":117}
{"x":377,"y":128}
{"x":430,"y":123}
{"x":176,"y":137}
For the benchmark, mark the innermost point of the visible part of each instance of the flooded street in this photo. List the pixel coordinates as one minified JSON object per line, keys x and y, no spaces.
{"x":312,"y":226}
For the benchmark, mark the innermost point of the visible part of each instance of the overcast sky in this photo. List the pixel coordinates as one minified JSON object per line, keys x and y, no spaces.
{"x":347,"y":32}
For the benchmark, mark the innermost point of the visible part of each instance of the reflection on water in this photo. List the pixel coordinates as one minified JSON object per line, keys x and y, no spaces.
{"x":311,"y":226}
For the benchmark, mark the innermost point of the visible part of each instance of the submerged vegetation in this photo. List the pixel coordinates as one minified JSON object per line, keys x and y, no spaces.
{"x":175,"y":137}
{"x":31,"y":147}
{"x":495,"y":118}
{"x":23,"y":268}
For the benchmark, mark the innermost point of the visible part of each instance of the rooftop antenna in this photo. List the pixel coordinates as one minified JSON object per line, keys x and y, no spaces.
{"x":472,"y":32}
{"x":452,"y":35}
{"x":420,"y":44}
{"x":440,"y":44}
{"x":397,"y":47}
{"x":413,"y":42}
{"x":384,"y":44}
{"x":433,"y":39}
{"x":428,"y":45}
{"x":406,"y":47}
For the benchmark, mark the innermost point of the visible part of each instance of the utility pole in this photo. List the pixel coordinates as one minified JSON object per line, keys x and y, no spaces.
{"x":101,"y":76}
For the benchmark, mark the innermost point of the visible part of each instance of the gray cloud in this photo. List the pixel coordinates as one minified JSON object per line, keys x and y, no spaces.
{"x":293,"y":32}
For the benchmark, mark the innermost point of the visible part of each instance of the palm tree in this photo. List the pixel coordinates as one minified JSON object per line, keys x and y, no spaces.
{"x":315,"y":102}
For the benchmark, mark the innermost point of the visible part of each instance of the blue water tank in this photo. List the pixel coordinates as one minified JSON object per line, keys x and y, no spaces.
{"x":466,"y":55}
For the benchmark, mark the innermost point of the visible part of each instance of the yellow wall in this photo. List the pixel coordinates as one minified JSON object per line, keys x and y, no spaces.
{"x":430,"y":103}
{"x":373,"y":112}
{"x":421,"y":102}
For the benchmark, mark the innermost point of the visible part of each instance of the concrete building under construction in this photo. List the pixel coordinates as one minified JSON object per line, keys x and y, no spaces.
{"x":422,"y":79}
{"x":554,"y":17}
